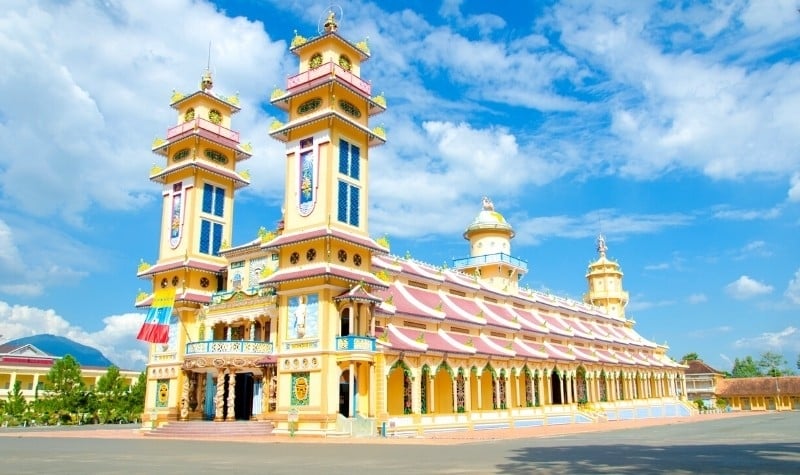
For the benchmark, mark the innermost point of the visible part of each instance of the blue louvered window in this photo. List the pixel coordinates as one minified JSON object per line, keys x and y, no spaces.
{"x":349,"y":159}
{"x":348,"y":210}
{"x":213,"y":200}
{"x":210,"y":237}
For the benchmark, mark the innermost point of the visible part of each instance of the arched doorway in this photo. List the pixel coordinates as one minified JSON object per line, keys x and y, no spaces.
{"x":398,"y":385}
{"x":344,"y":322}
{"x":243,"y":397}
{"x":347,"y":408}
{"x":557,"y":387}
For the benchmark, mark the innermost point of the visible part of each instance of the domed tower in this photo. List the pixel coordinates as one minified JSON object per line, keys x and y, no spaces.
{"x":490,"y":259}
{"x":605,"y":283}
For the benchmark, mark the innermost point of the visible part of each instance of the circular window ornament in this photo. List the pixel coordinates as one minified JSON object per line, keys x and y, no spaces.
{"x":164,"y":283}
{"x":311,"y":254}
{"x":357,"y":259}
{"x":175,"y":281}
{"x":294,"y":258}
{"x":342,"y":255}
{"x":204,"y":282}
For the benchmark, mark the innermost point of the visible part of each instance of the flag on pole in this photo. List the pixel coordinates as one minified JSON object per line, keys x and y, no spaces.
{"x":155,"y":328}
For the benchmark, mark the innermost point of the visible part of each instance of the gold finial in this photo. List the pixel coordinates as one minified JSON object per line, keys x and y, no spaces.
{"x":206,"y":82}
{"x":601,"y":245}
{"x":330,"y":22}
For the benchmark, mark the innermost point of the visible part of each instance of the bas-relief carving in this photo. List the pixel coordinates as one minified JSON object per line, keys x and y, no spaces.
{"x":185,"y":397}
{"x":232,"y":397}
{"x":219,"y":401}
{"x":237,"y":362}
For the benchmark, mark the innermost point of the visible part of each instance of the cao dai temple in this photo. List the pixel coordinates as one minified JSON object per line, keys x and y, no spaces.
{"x":317,"y":327}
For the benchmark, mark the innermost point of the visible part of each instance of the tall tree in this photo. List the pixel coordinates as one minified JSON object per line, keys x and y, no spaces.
{"x":15,"y":405}
{"x":66,"y":386}
{"x":690,"y":357}
{"x":745,"y":368}
{"x":110,"y":393}
{"x":772,"y":364}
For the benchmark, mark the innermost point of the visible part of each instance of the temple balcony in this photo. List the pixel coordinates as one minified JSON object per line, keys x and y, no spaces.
{"x":202,"y":124}
{"x":359,"y":344}
{"x":226,"y":347}
{"x":499,"y":257}
{"x":327,"y":70}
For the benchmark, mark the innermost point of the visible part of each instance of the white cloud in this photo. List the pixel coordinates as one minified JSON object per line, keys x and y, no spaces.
{"x":786,"y":339}
{"x":659,"y":266}
{"x":709,"y":332}
{"x":747,"y":214}
{"x":116,"y":340}
{"x":87,"y":84}
{"x":697,"y":298}
{"x":794,"y":188}
{"x":793,"y":289}
{"x":744,"y":288}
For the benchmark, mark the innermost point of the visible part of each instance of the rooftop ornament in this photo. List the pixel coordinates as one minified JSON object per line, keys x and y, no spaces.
{"x":176,"y":96}
{"x":363,"y":45}
{"x":298,"y":40}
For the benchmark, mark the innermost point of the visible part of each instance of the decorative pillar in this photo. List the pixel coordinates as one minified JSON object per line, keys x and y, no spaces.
{"x":561,"y":387}
{"x":431,"y":393}
{"x":454,"y":380}
{"x":351,"y":383}
{"x":258,"y":396}
{"x":480,"y":391}
{"x":372,"y":388}
{"x":468,"y":392}
{"x":516,"y":388}
{"x":219,"y":401}
{"x":253,"y":331}
{"x":184,"y":406}
{"x":231,"y":397}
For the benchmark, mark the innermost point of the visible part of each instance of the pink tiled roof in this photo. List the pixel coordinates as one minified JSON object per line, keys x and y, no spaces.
{"x":523,"y":349}
{"x":579,"y":327}
{"x":420,"y":270}
{"x":460,"y":279}
{"x":601,"y":332}
{"x":584,"y":354}
{"x":558,"y":352}
{"x":623,"y":358}
{"x":358,"y":293}
{"x":461,"y":309}
{"x":403,"y":339}
{"x":556,"y":325}
{"x":498,"y":315}
{"x":605,"y":356}
{"x":191,"y":263}
{"x":303,"y":236}
{"x":239,"y":180}
{"x":413,"y":301}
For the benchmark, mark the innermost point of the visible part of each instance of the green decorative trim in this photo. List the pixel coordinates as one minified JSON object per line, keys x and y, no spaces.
{"x":439,"y":306}
{"x":276,"y":93}
{"x":420,"y":338}
{"x":176,"y":96}
{"x":345,"y":62}
{"x":143,"y":266}
{"x":469,"y":342}
{"x":384,"y":337}
{"x":225,"y":244}
{"x":380,"y":99}
{"x":141,"y":296}
{"x":382,"y":275}
{"x":383,"y":241}
{"x":158,"y":141}
{"x":181,"y":154}
{"x":275,"y":125}
{"x":155,"y":170}
{"x":188,"y":115}
{"x":234,"y":99}
{"x":247,"y":147}
{"x":363,"y":46}
{"x":315,"y":61}
{"x":298,"y":40}
{"x":245,"y":174}
{"x":266,"y":272}
{"x":309,"y":106}
{"x":390,"y":299}
{"x":379,"y":132}
{"x":265,"y":235}
{"x":215,"y":117}
{"x":215,"y":156}
{"x":349,"y":108}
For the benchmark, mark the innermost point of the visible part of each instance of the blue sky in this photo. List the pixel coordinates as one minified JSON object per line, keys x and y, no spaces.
{"x":670,"y":127}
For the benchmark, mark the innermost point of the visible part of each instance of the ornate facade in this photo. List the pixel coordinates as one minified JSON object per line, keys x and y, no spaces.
{"x":317,"y":324}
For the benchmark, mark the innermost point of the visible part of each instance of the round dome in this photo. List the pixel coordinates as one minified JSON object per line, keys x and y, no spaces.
{"x":487,"y":219}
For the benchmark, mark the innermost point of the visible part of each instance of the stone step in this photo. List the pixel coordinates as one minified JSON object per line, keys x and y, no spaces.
{"x":200,"y":429}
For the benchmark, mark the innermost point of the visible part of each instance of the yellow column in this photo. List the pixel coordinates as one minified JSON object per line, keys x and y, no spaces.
{"x":516,"y":388}
{"x":468,"y":392}
{"x":372,"y":412}
{"x":432,"y":395}
{"x":455,"y":393}
{"x":480,"y":391}
{"x":351,"y":382}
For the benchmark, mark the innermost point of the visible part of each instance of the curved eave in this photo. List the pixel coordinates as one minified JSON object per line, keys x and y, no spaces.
{"x":362,"y":55}
{"x":282,"y":133}
{"x":282,"y":102}
{"x":233,"y":107}
{"x":238,"y":180}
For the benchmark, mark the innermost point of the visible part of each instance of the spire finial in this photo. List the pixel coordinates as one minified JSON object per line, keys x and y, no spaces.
{"x":206,"y":81}
{"x":601,"y":245}
{"x":487,"y":204}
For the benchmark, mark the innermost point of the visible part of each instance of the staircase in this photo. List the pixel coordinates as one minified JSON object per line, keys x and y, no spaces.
{"x":212,"y":430}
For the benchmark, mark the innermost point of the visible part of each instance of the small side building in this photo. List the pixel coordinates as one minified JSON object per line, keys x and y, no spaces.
{"x":701,"y":382}
{"x":760,"y":394}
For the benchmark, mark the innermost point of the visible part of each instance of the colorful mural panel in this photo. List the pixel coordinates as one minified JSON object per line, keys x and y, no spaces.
{"x":300,"y":389}
{"x":303,"y":316}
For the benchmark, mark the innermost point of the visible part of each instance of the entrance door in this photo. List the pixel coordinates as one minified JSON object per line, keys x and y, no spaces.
{"x":557,"y":387}
{"x":347,"y":408}
{"x":243,"y":399}
{"x":211,"y":390}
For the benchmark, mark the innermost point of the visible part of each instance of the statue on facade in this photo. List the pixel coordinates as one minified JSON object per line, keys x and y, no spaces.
{"x":185,"y":398}
{"x":601,"y":245}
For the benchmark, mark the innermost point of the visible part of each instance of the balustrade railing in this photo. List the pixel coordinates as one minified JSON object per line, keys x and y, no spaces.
{"x":226,"y":347}
{"x":489,"y":259}
{"x":355,"y":343}
{"x":205,"y":125}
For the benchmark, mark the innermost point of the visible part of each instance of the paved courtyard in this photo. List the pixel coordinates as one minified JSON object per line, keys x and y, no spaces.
{"x":766,"y":443}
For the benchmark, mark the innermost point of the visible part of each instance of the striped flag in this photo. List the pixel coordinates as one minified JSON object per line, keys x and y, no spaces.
{"x":155,"y":328}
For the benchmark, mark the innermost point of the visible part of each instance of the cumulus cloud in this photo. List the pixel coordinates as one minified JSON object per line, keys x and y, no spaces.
{"x":793,"y":289}
{"x":745,"y":288}
{"x":116,"y":340}
{"x":697,"y":298}
{"x":786,"y":339}
{"x":794,"y":188}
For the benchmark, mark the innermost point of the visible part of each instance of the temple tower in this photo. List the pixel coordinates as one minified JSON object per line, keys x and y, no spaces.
{"x":198,"y":179}
{"x":490,"y":259}
{"x":605,"y":283}
{"x":323,"y":281}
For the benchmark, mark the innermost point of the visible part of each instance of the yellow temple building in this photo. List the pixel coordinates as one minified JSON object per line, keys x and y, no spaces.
{"x":316,"y":327}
